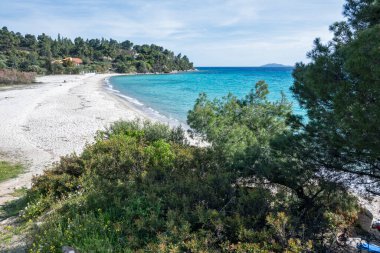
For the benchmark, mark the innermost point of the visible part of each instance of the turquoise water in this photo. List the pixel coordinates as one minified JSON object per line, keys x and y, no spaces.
{"x":173,"y":95}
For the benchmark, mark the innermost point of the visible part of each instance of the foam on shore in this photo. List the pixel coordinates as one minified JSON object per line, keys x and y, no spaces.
{"x":143,"y":110}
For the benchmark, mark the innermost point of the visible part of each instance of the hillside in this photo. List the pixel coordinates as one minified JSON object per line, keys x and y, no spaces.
{"x":45,"y":55}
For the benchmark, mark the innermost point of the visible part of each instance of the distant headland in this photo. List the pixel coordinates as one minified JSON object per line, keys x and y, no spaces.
{"x":275,"y":65}
{"x":44,"y":55}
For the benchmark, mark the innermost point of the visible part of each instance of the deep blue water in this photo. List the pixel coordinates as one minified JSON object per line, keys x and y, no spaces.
{"x":173,"y":95}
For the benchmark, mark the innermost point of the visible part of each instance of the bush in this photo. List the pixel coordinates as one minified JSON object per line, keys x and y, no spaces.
{"x":140,"y":187}
{"x":9,"y":77}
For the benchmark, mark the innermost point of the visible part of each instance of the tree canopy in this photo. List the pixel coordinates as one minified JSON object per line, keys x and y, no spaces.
{"x":42,"y":54}
{"x":340,"y":89}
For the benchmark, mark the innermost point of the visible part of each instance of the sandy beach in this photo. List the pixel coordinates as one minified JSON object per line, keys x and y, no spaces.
{"x":58,"y":116}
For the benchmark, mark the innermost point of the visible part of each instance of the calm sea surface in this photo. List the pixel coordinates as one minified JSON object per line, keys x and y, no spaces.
{"x":171,"y":96}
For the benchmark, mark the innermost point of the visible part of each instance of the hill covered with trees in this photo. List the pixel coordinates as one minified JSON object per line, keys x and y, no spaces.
{"x":44,"y":55}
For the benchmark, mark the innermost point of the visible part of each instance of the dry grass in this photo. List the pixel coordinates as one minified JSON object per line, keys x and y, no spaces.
{"x":11,"y":76}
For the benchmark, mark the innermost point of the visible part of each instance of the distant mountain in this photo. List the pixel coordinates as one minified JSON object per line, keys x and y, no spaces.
{"x":275,"y":65}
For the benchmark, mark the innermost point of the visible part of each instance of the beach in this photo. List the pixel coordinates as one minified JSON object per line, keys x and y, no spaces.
{"x":60,"y":115}
{"x":55,"y":117}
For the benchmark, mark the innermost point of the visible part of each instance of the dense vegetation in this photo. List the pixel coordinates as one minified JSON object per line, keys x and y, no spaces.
{"x":340,"y":89}
{"x":42,"y":55}
{"x":268,"y":182}
{"x":142,"y":188}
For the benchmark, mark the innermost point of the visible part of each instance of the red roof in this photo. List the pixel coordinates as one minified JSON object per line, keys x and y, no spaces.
{"x":74,"y":60}
{"x":77,"y":60}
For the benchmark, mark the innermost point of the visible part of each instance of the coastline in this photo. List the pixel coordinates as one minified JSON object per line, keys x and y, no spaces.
{"x":55,"y":117}
{"x":59,"y":115}
{"x":142,"y":110}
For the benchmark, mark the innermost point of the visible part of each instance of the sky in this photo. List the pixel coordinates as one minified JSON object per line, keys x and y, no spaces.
{"x":209,"y":32}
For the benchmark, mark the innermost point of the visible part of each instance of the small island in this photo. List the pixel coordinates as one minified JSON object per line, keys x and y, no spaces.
{"x":275,"y":65}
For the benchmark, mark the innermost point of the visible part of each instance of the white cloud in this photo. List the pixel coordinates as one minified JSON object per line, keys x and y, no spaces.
{"x":211,"y":32}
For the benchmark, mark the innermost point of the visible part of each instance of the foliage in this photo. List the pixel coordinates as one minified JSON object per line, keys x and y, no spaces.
{"x":239,"y":128}
{"x":141,"y":187}
{"x":340,"y":90}
{"x":42,"y":54}
{"x":263,"y":184}
{"x":259,"y":142}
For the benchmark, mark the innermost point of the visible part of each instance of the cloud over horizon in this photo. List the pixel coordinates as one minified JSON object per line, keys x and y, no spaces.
{"x":210,"y":32}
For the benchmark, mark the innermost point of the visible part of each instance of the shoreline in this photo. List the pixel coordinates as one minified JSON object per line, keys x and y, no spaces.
{"x":55,"y":117}
{"x":139,"y":106}
{"x":59,"y":115}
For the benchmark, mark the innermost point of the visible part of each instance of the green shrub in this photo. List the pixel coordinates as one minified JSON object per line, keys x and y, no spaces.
{"x":141,"y":188}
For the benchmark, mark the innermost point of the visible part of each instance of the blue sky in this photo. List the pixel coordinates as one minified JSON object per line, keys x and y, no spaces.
{"x":210,"y":32}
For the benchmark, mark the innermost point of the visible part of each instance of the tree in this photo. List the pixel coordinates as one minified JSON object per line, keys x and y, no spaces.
{"x":29,"y":41}
{"x":340,"y":89}
{"x":259,"y":143}
{"x":80,"y":48}
{"x":251,"y":136}
{"x":236,"y":127}
{"x":142,"y":67}
{"x":362,"y":14}
{"x":127,"y":45}
{"x":13,"y":60}
{"x":7,"y":40}
{"x":99,"y":55}
{"x":44,"y":45}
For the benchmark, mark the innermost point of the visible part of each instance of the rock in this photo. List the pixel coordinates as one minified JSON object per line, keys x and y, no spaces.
{"x":68,"y":249}
{"x":365,"y":218}
{"x":352,"y":243}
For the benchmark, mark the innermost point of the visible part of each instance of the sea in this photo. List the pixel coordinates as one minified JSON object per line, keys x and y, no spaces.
{"x":169,"y":97}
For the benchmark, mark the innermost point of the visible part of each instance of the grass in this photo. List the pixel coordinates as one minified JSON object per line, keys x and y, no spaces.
{"x":13,"y":208}
{"x":11,"y":230}
{"x":8,"y":170}
{"x":20,"y":192}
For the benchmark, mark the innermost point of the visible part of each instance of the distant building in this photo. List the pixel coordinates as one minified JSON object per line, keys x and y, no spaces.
{"x":75,"y":61}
